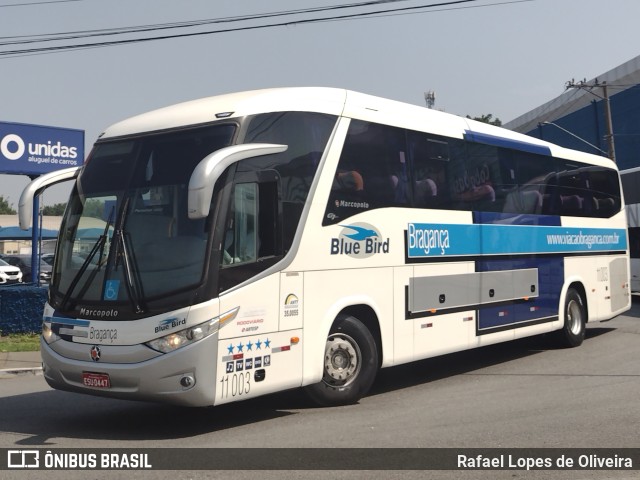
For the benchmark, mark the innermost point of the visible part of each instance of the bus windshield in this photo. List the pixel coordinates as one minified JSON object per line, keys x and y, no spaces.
{"x":126,"y":238}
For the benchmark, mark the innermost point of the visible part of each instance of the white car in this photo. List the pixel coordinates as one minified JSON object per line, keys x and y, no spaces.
{"x":9,"y":274}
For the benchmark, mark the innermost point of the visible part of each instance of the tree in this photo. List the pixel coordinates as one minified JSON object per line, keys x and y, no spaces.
{"x":488,"y":118}
{"x":5,"y":207}
{"x":54,"y":210}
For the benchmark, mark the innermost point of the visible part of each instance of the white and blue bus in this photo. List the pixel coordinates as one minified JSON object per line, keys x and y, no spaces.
{"x":238,"y":245}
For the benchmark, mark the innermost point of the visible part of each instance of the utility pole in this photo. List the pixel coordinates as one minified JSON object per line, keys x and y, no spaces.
{"x":607,"y":109}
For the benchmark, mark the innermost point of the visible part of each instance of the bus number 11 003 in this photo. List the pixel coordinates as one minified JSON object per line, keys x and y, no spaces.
{"x":235,"y":385}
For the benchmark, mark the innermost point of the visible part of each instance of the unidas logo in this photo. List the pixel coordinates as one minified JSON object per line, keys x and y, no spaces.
{"x":13,"y":147}
{"x":359,"y":240}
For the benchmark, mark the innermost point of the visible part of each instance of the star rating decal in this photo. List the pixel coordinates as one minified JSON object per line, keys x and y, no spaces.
{"x":240,"y":348}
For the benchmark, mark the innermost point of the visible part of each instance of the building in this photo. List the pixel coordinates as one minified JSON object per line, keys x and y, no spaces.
{"x":576,"y":119}
{"x":13,"y":240}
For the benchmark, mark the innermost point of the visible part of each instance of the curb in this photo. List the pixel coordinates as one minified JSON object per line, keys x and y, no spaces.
{"x":13,"y":372}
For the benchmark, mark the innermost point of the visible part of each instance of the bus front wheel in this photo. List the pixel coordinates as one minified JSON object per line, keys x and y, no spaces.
{"x":350,"y":364}
{"x":575,"y":319}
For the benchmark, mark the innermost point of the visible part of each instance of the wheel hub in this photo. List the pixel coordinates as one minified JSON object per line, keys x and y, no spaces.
{"x":574,"y":317}
{"x":341,"y":360}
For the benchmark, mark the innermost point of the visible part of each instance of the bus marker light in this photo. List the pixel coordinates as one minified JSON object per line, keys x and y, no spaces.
{"x":225,"y":318}
{"x":295,"y":340}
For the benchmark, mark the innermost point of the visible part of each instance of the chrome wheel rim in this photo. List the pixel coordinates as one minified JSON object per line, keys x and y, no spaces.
{"x":574,"y":317}
{"x":342,"y":360}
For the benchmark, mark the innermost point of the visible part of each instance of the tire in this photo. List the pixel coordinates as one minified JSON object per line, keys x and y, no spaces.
{"x":575,"y":319}
{"x":350,"y":364}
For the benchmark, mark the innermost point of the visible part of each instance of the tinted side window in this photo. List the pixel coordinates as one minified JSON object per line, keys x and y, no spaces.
{"x":482,"y":180}
{"x":306,"y":135}
{"x":582,"y":191}
{"x":531,"y":173}
{"x":372,"y":172}
{"x":430,"y":160}
{"x":605,"y":188}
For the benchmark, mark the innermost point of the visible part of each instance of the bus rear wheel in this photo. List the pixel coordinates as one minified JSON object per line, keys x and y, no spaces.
{"x":350,"y":364}
{"x":575,"y":319}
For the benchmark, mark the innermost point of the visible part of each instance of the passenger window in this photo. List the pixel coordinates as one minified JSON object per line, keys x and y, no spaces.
{"x":306,"y":136}
{"x":605,"y":186}
{"x":477,"y":179}
{"x":531,"y":174}
{"x":372,"y":172}
{"x":430,"y":158}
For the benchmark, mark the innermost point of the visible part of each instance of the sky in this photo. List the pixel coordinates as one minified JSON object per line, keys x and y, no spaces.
{"x":480,"y":57}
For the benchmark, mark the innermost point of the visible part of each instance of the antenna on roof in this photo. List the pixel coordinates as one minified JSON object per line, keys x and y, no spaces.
{"x":430,"y":98}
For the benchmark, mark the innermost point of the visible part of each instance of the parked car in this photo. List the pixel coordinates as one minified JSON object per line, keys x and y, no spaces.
{"x":9,"y":274}
{"x":23,"y":262}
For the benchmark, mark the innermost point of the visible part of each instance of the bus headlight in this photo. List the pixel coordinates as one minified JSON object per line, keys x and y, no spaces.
{"x":47,"y":333}
{"x":190,"y":335}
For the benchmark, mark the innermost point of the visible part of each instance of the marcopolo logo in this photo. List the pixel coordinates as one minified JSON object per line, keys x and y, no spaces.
{"x":359,"y":240}
{"x":13,"y":147}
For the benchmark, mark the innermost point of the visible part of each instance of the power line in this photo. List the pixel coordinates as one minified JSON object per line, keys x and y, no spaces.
{"x":362,"y":15}
{"x":495,"y":4}
{"x":37,"y":3}
{"x":185,"y":24}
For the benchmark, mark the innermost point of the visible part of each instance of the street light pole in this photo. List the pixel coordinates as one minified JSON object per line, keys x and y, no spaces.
{"x":573,"y":135}
{"x":607,"y":110}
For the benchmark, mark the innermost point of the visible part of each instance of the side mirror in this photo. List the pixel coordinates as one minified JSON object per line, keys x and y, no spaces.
{"x":207,"y":172}
{"x":35,"y":187}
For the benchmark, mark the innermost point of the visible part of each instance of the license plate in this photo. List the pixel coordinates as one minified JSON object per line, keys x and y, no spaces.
{"x":96,"y":380}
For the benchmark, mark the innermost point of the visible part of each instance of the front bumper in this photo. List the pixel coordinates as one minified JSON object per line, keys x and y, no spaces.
{"x":157,"y":379}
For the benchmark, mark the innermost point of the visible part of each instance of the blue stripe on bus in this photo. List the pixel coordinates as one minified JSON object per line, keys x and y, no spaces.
{"x":506,"y":143}
{"x":67,"y":321}
{"x":433,"y":240}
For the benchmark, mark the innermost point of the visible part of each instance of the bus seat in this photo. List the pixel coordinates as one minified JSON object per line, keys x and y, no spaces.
{"x":604,"y":206}
{"x":424,"y":190}
{"x":523,"y":202}
{"x":571,"y":204}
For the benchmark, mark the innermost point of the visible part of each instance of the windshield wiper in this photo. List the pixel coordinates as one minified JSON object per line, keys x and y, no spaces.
{"x":132,"y":278}
{"x":99,"y":245}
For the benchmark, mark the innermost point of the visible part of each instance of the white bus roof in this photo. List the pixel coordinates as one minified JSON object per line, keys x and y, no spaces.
{"x":331,"y":101}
